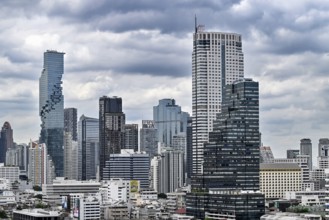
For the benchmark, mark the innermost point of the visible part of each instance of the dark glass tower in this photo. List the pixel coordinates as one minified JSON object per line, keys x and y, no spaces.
{"x":51,"y":107}
{"x":70,"y":122}
{"x":131,"y":137}
{"x":6,"y":141}
{"x":231,"y":158}
{"x":111,"y":129}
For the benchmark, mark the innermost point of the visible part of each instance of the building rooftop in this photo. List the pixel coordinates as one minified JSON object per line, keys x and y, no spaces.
{"x":37,"y":213}
{"x":279,"y":166}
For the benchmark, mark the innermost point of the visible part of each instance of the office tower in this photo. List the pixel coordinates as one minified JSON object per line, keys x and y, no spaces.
{"x":167,"y":171}
{"x":188,"y":166}
{"x":23,"y":157}
{"x":111,"y":129}
{"x":41,"y":170}
{"x":217,"y":60}
{"x":306,"y":149}
{"x":51,"y":107}
{"x":169,"y":120}
{"x":131,"y":136}
{"x":70,"y":157}
{"x":6,"y":141}
{"x":266,"y":155}
{"x":323,"y":147}
{"x":128,"y":165}
{"x":292,"y":153}
{"x":231,"y":158}
{"x":148,"y":138}
{"x":70,"y":122}
{"x":88,"y":145}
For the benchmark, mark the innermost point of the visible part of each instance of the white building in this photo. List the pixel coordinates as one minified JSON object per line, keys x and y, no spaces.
{"x":5,"y":184}
{"x":117,"y":189}
{"x":321,"y":195}
{"x":60,"y":187}
{"x":11,"y":173}
{"x":217,"y":60}
{"x":70,"y":157}
{"x":7,"y":197}
{"x":86,"y":206}
{"x":167,"y":171}
{"x":278,"y":178}
{"x":34,"y":214}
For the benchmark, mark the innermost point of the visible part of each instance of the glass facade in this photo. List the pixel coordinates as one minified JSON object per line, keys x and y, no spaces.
{"x":88,"y":147}
{"x":111,"y":129}
{"x":148,"y":138}
{"x":51,"y":107}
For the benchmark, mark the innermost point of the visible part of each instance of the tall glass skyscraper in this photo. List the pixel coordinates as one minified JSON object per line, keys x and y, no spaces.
{"x":51,"y":107}
{"x":6,"y":141}
{"x":111,"y":129}
{"x":169,"y":120}
{"x":88,"y":145}
{"x":70,"y":122}
{"x":217,"y":60}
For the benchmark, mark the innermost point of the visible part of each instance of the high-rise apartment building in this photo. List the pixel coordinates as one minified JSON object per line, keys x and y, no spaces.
{"x":131,"y":137}
{"x":111,"y":129}
{"x":306,"y":149}
{"x":323,"y":147}
{"x":148,"y":138}
{"x":231,"y":158}
{"x":41,"y":170}
{"x":70,"y":157}
{"x":88,"y":145}
{"x":169,"y":120}
{"x":51,"y":107}
{"x":70,"y":122}
{"x":167,"y":171}
{"x":217,"y":60}
{"x":6,"y":141}
{"x":189,"y":152}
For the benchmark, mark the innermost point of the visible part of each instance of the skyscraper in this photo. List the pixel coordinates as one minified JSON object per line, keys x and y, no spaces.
{"x":323,"y":147}
{"x":131,"y":137}
{"x":6,"y":141}
{"x":292,"y":153}
{"x":148,"y":138}
{"x":169,"y":120}
{"x":111,"y":129}
{"x":217,"y":60}
{"x":70,"y":122}
{"x":88,"y":145}
{"x":231,"y":158}
{"x":51,"y":107}
{"x":70,"y":157}
{"x":306,"y":149}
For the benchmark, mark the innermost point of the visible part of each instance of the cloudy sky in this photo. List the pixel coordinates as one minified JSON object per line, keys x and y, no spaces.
{"x":141,"y":50}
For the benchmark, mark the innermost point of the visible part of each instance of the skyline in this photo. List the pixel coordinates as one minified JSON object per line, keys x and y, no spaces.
{"x":112,"y":45}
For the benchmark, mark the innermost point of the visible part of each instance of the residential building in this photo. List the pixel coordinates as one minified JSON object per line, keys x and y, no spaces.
{"x":70,"y":122}
{"x":167,"y":171}
{"x":88,"y":148}
{"x":87,"y":206}
{"x":117,"y":210}
{"x":231,"y":159}
{"x":148,"y":138}
{"x":169,"y":120}
{"x":117,"y":189}
{"x":131,"y":136}
{"x":306,"y":149}
{"x":266,"y":155}
{"x":217,"y":60}
{"x":51,"y":107}
{"x":292,"y":153}
{"x":278,"y":178}
{"x":70,"y":157}
{"x":111,"y":129}
{"x":323,"y":147}
{"x":189,"y":152}
{"x":128,"y":165}
{"x":41,"y":168}
{"x":6,"y":141}
{"x":9,"y":172}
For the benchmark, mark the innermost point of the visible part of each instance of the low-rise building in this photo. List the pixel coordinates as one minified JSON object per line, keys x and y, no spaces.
{"x":35,"y":214}
{"x":117,"y":210}
{"x":9,"y":172}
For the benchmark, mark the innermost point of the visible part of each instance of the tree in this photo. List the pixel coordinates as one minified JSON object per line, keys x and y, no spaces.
{"x":38,"y":196}
{"x":162,"y":196}
{"x":3,"y":214}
